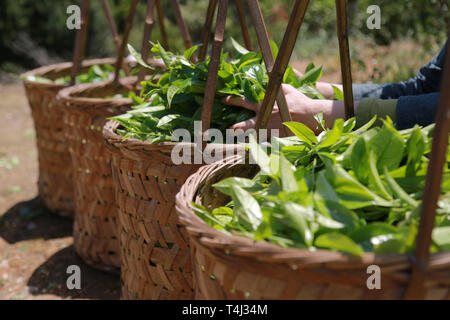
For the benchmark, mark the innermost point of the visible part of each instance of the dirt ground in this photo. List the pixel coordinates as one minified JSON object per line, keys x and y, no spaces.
{"x":35,"y":245}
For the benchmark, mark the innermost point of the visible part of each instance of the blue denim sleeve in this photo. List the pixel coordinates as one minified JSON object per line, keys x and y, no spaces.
{"x":412,"y":110}
{"x":426,"y":81}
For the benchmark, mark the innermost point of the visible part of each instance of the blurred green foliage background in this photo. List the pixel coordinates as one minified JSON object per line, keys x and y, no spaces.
{"x":34,"y":33}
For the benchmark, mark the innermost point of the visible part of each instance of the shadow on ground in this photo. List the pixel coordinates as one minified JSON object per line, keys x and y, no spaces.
{"x":51,"y":278}
{"x":32,"y":220}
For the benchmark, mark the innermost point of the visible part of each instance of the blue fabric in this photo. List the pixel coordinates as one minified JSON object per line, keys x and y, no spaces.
{"x":418,"y":97}
{"x":419,"y":110}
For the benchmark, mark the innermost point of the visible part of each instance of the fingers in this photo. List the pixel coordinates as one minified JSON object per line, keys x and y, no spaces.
{"x":251,"y":123}
{"x":274,"y":123}
{"x":241,"y":102}
{"x":245,"y":125}
{"x":297,"y":73}
{"x":287,"y":89}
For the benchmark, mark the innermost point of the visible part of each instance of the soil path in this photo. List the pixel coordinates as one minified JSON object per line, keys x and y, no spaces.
{"x":35,"y":245}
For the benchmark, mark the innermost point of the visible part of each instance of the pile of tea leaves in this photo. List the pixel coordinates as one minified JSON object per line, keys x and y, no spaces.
{"x":96,"y":73}
{"x":343,"y":190}
{"x":176,"y":99}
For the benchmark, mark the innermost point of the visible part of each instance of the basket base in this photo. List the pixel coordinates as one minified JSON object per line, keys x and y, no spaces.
{"x":94,"y":252}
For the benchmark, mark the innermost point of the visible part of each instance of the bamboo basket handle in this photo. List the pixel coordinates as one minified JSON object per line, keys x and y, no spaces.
{"x":281,"y":63}
{"x":264,"y":44}
{"x":344,"y":54}
{"x":181,"y":24}
{"x":432,"y":191}
{"x":111,"y":23}
{"x":211,"y":82}
{"x":80,"y":41}
{"x":126,"y":33}
{"x":243,"y":22}
{"x":207,"y":29}
{"x":113,"y":29}
{"x":208,"y":25}
{"x":285,"y":53}
{"x":162,"y":26}
{"x":149,"y":23}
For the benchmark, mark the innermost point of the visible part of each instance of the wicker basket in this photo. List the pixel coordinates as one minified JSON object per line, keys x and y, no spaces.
{"x":95,"y":229}
{"x":234,"y":267}
{"x":156,"y":260}
{"x":55,"y":176}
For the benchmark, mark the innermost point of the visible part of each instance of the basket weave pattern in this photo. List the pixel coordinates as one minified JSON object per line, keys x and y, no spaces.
{"x":95,"y":227}
{"x":55,"y":184}
{"x":156,"y":262}
{"x":234,"y":267}
{"x":55,"y":175}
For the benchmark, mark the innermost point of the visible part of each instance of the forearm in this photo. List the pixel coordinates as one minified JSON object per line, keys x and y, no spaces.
{"x":360,"y":91}
{"x":406,"y":111}
{"x":369,"y":90}
{"x":331,"y":109}
{"x":364,"y":109}
{"x":426,"y":81}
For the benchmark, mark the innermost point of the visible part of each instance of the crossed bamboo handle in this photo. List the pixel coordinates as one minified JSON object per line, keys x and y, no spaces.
{"x":80,"y":42}
{"x":264,"y":44}
{"x":275,"y":69}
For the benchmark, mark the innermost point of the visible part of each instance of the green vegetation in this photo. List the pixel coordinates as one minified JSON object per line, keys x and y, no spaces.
{"x":176,"y":99}
{"x":95,"y":73}
{"x":350,"y":191}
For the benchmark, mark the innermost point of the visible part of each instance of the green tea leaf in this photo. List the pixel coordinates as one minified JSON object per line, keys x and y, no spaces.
{"x":441,"y":236}
{"x":369,"y":231}
{"x":171,"y":92}
{"x":332,"y":136}
{"x":415,"y":149}
{"x":225,"y":185}
{"x":246,"y":207}
{"x":274,"y":47}
{"x":311,"y":75}
{"x":138,"y":58}
{"x":399,"y":192}
{"x":238,"y":47}
{"x":164,"y":121}
{"x":388,"y":147}
{"x":302,"y":131}
{"x":259,"y":156}
{"x":338,"y":93}
{"x":287,"y":175}
{"x":321,"y":123}
{"x":189,"y":52}
{"x":339,"y":242}
{"x":296,"y":215}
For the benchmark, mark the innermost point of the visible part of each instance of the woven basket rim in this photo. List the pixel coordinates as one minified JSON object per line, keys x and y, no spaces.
{"x":109,"y":133}
{"x":214,"y":239}
{"x":115,"y":140}
{"x":72,"y":96}
{"x":61,"y":67}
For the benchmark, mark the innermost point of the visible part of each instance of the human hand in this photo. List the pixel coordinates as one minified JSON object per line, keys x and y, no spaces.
{"x":301,"y":107}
